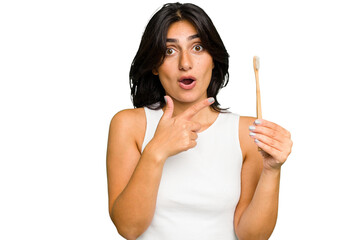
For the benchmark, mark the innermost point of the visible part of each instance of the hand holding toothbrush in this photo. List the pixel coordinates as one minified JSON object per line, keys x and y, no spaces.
{"x":273,"y":141}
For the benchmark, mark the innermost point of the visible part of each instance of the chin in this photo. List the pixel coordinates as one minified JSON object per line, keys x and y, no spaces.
{"x":189,"y":98}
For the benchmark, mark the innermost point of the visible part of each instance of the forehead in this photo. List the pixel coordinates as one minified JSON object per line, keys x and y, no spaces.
{"x":180,"y":29}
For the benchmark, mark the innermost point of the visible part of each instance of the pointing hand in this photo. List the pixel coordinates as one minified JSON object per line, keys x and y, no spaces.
{"x":177,"y":134}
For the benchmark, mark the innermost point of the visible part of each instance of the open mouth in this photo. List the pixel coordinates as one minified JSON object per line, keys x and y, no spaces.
{"x":187,"y":82}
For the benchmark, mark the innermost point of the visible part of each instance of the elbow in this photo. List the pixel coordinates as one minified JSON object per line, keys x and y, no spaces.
{"x":127,"y":234}
{"x":254,"y":231}
{"x":126,"y":229}
{"x":253,"y":236}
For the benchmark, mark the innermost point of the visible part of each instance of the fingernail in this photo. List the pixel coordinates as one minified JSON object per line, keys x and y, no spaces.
{"x":252,"y":134}
{"x":257,"y":141}
{"x":165,"y":99}
{"x":211,"y":100}
{"x":252,"y":128}
{"x":257,"y":122}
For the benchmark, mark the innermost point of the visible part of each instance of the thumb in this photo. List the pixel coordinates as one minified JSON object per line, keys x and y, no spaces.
{"x":169,"y":108}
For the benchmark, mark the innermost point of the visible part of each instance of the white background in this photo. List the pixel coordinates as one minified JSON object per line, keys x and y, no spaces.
{"x":64,"y":73}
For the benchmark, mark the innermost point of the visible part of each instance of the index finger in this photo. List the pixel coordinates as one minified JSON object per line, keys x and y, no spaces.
{"x":194,"y":109}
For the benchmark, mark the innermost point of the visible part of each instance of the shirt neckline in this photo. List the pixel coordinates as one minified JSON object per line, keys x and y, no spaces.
{"x":207,"y":129}
{"x":212,"y":125}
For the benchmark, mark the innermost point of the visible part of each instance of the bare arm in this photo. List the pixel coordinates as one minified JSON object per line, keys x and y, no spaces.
{"x":259,"y":218}
{"x":133,"y":179}
{"x":256,"y":214}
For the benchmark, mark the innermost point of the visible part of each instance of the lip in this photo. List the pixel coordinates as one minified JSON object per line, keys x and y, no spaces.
{"x":187,"y":86}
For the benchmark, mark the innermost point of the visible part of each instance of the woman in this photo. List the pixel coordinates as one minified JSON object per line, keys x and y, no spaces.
{"x":179,"y":166}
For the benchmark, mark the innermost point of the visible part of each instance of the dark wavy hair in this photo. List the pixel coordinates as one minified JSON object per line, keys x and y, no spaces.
{"x":146,"y":89}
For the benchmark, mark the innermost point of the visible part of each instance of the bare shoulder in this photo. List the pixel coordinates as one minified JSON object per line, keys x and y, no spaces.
{"x":246,"y":121}
{"x":130,"y":123}
{"x":246,"y":142}
{"x":128,"y":116}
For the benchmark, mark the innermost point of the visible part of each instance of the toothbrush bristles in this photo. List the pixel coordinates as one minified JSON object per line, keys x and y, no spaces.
{"x":257,"y":62}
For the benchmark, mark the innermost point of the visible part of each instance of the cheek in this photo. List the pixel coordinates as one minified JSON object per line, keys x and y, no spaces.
{"x":163,"y":76}
{"x":208,"y":66}
{"x":166,"y":71}
{"x":165,"y":80}
{"x":207,"y":62}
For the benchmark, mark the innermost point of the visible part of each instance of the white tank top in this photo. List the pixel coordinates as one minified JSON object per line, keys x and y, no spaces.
{"x":199,"y":188}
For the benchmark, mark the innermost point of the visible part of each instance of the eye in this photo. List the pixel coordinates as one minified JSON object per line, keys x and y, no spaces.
{"x":198,"y":48}
{"x":169,"y":51}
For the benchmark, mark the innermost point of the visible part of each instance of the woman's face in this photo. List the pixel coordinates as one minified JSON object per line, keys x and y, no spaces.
{"x":186,"y":71}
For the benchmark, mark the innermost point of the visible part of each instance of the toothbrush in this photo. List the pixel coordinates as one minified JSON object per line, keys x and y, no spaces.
{"x":256,"y":61}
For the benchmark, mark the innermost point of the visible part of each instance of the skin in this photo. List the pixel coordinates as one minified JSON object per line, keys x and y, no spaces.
{"x":133,"y":178}
{"x":185,"y":56}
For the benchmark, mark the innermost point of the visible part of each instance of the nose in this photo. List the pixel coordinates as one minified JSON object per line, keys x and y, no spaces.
{"x":185,"y":61}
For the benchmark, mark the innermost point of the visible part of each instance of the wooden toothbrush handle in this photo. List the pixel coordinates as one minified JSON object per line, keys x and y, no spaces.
{"x":258,"y":98}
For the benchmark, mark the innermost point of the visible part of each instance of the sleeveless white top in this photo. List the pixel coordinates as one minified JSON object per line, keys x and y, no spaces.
{"x":200,"y":187}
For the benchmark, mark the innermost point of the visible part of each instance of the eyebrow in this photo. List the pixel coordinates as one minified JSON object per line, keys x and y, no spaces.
{"x":189,"y":38}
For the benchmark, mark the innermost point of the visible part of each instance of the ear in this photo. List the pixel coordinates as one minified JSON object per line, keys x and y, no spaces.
{"x":155,"y":72}
{"x":213,"y":65}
